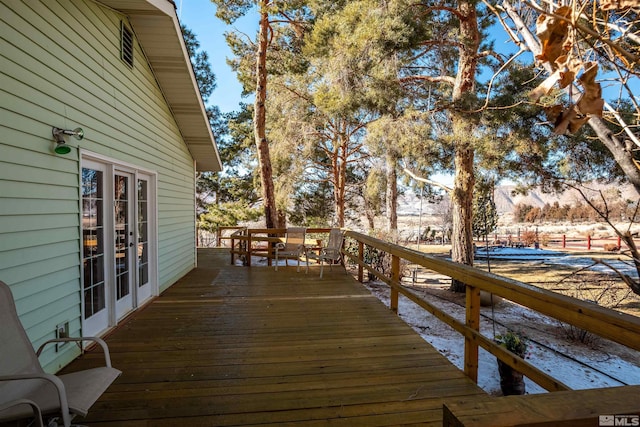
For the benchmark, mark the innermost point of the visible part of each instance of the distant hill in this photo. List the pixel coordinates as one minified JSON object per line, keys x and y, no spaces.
{"x":506,"y":201}
{"x":409,"y":204}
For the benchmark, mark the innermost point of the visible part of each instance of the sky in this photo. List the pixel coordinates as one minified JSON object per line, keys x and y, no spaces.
{"x":199,"y":17}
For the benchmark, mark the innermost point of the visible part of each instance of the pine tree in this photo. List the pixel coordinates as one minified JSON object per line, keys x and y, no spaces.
{"x":485,"y":214}
{"x":269,"y":14}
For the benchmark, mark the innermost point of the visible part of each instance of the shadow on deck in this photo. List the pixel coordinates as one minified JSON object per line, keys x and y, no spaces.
{"x":230,"y":345}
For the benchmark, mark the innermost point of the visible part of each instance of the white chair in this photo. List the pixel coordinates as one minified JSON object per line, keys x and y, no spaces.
{"x":331,"y":253}
{"x":22,"y":377}
{"x":293,"y":246}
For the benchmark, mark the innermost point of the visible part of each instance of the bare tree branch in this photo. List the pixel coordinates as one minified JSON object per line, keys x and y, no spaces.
{"x":490,"y":86}
{"x":628,"y":55}
{"x":425,"y":180}
{"x":433,"y":79}
{"x":494,"y":54}
{"x":626,"y":161}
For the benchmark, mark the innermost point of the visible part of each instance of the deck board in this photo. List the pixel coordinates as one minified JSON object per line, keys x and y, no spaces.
{"x":233,"y":345}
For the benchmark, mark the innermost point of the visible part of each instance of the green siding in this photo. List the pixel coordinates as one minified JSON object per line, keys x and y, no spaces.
{"x":60,"y":66}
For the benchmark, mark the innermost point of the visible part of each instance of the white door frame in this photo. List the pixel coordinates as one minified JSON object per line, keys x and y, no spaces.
{"x":138,"y":295}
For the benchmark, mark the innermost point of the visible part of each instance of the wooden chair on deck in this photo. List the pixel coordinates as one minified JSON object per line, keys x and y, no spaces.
{"x":293,"y":246}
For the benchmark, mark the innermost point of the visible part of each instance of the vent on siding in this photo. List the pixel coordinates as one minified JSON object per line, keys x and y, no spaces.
{"x":126,"y":44}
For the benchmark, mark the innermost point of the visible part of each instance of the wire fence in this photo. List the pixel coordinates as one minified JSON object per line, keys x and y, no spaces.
{"x":562,"y":241}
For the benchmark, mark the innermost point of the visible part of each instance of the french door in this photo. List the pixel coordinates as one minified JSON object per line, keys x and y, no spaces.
{"x":145,"y":240}
{"x":118,"y":242}
{"x":123,"y":216}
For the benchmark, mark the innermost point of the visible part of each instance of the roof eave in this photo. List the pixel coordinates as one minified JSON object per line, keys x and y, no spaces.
{"x":158,"y":31}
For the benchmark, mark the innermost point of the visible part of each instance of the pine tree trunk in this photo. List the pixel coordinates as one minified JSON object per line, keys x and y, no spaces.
{"x":259,"y":124}
{"x":371,"y":219}
{"x":342,"y":189}
{"x":462,"y":200}
{"x":339,"y":169}
{"x":392,"y":192}
{"x":462,"y":195}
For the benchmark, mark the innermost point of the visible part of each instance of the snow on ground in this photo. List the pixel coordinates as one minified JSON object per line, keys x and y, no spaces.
{"x":619,"y":365}
{"x":554,"y":257}
{"x":623,"y":266}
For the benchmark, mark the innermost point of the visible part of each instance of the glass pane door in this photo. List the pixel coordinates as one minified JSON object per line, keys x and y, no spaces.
{"x":119,"y":242}
{"x":124,"y":242}
{"x":143,"y":248}
{"x":95,"y":313}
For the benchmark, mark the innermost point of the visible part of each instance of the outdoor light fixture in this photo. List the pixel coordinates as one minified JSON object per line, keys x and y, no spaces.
{"x":58,"y":135}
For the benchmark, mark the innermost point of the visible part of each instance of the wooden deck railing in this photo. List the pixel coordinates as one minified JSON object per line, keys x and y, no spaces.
{"x":249,"y":242}
{"x":225,"y":233}
{"x":609,"y":324}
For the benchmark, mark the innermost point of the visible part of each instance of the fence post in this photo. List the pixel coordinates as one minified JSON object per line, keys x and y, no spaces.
{"x":218,"y":238}
{"x":472,"y":305}
{"x":249,"y":248}
{"x":360,"y":261}
{"x":619,"y":243}
{"x":395,"y":282}
{"x":588,"y":242}
{"x":564,"y":241}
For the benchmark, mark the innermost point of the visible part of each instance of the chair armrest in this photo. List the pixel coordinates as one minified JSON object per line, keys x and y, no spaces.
{"x":105,"y":349}
{"x":280,"y":245}
{"x":36,"y":409}
{"x":57,"y":383}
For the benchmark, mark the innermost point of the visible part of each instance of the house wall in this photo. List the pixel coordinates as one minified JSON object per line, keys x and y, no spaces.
{"x":60,"y":66}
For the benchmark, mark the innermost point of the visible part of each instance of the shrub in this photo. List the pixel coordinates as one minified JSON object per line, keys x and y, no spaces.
{"x":515,"y":342}
{"x":545,"y":239}
{"x":529,"y":237}
{"x":576,"y":334}
{"x":376,"y":258}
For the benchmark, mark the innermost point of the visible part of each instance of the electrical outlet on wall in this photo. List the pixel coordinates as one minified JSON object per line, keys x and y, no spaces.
{"x":62,"y":331}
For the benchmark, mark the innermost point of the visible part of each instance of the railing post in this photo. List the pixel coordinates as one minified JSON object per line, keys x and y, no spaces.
{"x":588,"y":242}
{"x":233,"y":248}
{"x":473,"y":321}
{"x":218,"y":239}
{"x":395,"y":282}
{"x":564,"y":241}
{"x":249,"y":248}
{"x":360,"y":261}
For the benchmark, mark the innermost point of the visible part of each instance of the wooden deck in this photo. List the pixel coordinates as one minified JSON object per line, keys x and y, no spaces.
{"x":251,"y":346}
